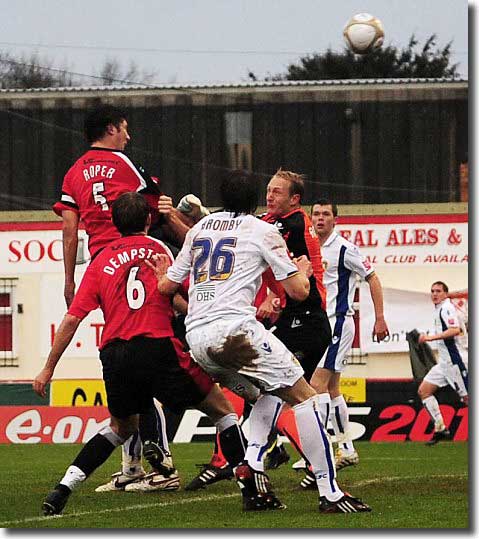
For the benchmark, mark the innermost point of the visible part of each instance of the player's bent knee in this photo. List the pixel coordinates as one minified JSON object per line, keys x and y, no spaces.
{"x":424,"y":391}
{"x":297,"y":393}
{"x":112,"y":435}
{"x":216,"y":405}
{"x":321,"y":379}
{"x":124,"y":428}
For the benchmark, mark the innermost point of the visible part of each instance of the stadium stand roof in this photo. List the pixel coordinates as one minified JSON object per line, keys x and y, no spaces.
{"x":233,"y":85}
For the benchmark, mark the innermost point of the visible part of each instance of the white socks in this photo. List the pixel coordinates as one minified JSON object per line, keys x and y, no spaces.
{"x":262,"y":419}
{"x":73,"y":477}
{"x":131,"y":450}
{"x":160,"y":416}
{"x":227,"y":421}
{"x":131,"y":455}
{"x":340,"y":422}
{"x":324,"y":403}
{"x":432,"y":408}
{"x":316,"y":446}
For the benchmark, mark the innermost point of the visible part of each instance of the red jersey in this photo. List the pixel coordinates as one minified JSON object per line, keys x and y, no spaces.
{"x":300,"y":237}
{"x":93,"y":183}
{"x":269,"y":282}
{"x":125,"y":288}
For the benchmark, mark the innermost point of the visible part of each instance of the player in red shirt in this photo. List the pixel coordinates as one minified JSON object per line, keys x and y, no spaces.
{"x":140,"y":357}
{"x":89,"y":188}
{"x":96,"y":180}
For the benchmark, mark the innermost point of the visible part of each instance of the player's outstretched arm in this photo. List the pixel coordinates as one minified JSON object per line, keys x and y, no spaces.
{"x":381,"y":330}
{"x":450,"y":332}
{"x":176,"y":227}
{"x":62,"y":339}
{"x":70,"y":245}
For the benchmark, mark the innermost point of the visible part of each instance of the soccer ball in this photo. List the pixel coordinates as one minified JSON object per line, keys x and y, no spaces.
{"x":363,"y":33}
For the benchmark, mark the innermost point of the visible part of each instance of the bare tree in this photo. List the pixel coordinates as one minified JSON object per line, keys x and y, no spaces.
{"x":111,"y":72}
{"x":39,"y":72}
{"x":31,"y":72}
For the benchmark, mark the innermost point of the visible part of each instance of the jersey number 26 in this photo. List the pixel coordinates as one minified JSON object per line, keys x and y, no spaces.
{"x":214,"y":262}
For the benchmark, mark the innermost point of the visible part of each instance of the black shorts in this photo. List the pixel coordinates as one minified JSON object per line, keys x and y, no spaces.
{"x":307,"y":336}
{"x":137,"y":370}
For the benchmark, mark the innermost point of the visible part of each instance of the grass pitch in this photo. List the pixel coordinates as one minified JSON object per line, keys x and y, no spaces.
{"x":408,"y":485}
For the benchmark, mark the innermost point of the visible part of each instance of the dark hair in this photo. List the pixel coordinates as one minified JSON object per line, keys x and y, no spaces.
{"x":129,"y":213}
{"x":444,"y":285}
{"x":98,"y":120}
{"x":239,"y":192}
{"x":325,"y":202}
{"x":296,"y":182}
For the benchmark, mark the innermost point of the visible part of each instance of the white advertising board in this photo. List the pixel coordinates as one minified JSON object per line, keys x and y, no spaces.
{"x":412,"y":240}
{"x":403,"y":242}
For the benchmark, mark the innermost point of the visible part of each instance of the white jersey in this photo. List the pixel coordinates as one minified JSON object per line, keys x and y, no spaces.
{"x":342,"y":261}
{"x":225,"y":257}
{"x":450,"y":350}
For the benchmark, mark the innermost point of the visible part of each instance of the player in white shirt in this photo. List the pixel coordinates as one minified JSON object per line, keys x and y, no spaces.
{"x":225,"y":255}
{"x":452,"y":365}
{"x":343,"y":263}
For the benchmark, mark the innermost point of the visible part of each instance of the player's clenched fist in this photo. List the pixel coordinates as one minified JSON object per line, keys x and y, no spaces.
{"x":165,"y":204}
{"x":304,"y":265}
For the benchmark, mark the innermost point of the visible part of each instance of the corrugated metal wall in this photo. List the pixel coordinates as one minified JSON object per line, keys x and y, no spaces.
{"x":357,"y":145}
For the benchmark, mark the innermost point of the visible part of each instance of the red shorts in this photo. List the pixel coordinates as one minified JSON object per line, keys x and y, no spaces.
{"x":202,"y":379}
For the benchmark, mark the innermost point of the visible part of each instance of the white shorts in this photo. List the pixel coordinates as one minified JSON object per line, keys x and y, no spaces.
{"x":441,"y":375}
{"x":276,"y":366}
{"x":343,"y":330}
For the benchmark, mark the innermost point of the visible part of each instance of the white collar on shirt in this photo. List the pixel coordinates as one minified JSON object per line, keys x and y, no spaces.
{"x":331,"y":238}
{"x":443,"y":302}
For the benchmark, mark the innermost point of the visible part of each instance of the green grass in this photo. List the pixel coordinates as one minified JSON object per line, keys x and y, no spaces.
{"x":408,"y":485}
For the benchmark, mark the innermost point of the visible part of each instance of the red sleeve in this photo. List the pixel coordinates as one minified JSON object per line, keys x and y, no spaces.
{"x":275,"y":286}
{"x":183,"y":290}
{"x":59,"y":206}
{"x":152,"y":200}
{"x":268,"y":281}
{"x":67,"y":200}
{"x":86,"y":299}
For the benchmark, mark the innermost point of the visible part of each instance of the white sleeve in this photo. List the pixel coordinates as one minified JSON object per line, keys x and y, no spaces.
{"x":180,"y":268}
{"x":449,"y":318}
{"x":355,"y":261}
{"x":275,"y":252}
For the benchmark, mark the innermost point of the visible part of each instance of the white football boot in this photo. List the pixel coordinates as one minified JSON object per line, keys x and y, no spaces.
{"x":154,"y":481}
{"x":299,"y":465}
{"x":344,"y":459}
{"x":119,"y":481}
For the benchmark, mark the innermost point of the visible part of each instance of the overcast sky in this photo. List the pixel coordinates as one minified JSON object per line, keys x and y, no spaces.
{"x":190,"y":41}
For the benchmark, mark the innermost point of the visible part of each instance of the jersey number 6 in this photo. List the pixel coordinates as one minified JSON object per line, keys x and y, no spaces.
{"x":135,"y":290}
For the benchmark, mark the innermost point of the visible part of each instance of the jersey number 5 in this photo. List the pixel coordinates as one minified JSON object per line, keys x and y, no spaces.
{"x":213,"y":262}
{"x":98,"y":189}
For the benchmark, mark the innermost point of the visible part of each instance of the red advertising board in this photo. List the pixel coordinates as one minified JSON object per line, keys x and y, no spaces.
{"x":391,"y":412}
{"x":51,"y":424}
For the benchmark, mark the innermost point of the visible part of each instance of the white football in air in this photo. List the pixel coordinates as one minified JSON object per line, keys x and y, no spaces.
{"x":363,"y":33}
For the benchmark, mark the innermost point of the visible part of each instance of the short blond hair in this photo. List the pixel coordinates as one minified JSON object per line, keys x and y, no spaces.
{"x":296,"y":181}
